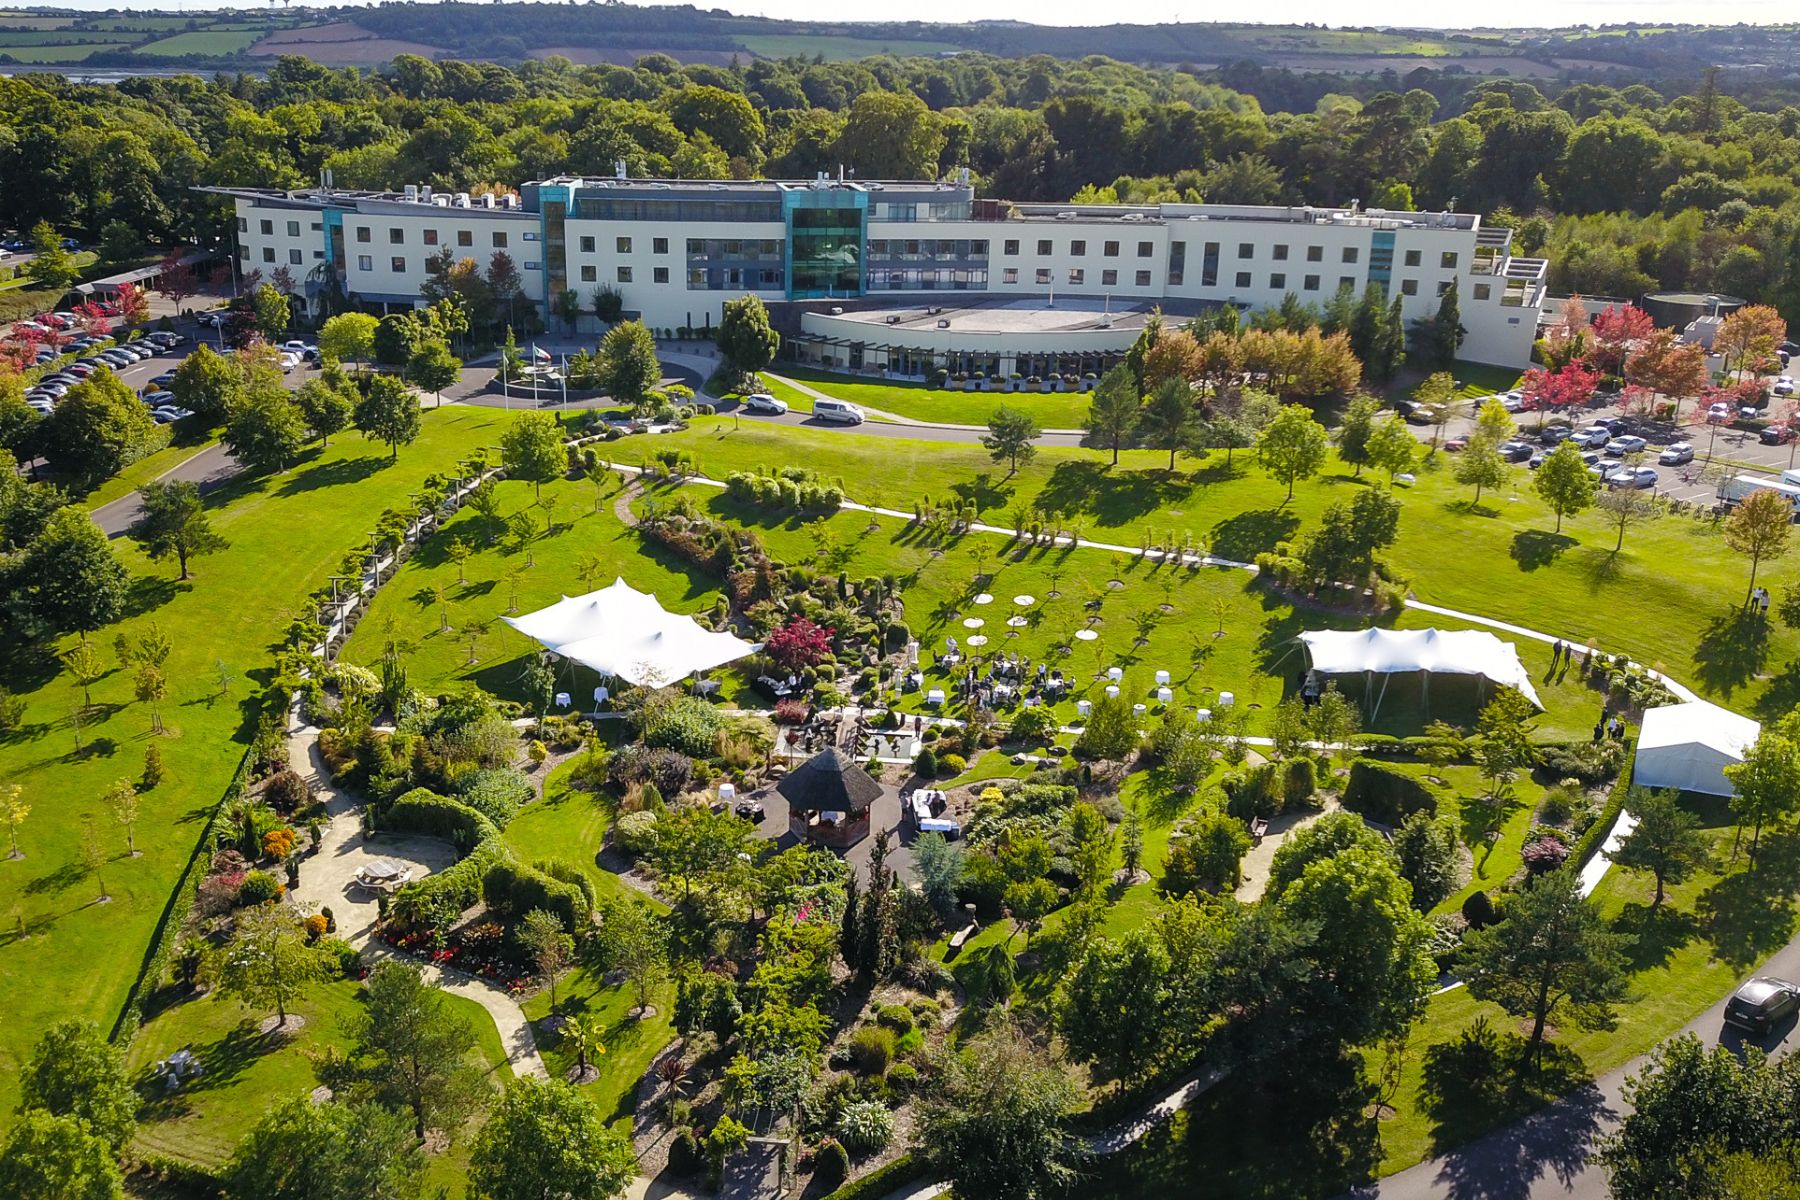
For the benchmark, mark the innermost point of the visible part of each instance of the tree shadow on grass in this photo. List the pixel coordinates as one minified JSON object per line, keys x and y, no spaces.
{"x":1750,"y":913}
{"x":1476,"y":1083}
{"x":331,"y":474}
{"x":148,"y":593}
{"x":222,"y":1063}
{"x":1732,"y":650}
{"x":984,"y":493}
{"x":1656,"y":933}
{"x":1468,"y":507}
{"x":1782,"y":695}
{"x":1249,"y":533}
{"x":1111,"y":496}
{"x":1535,"y":548}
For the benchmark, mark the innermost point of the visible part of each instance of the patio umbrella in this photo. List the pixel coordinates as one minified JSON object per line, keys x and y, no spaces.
{"x":978,"y":640}
{"x":1024,"y":601}
{"x":973,"y":622}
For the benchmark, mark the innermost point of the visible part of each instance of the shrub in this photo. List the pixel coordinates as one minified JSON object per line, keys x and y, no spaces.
{"x":1034,"y":725}
{"x":278,"y":843}
{"x":341,"y":957}
{"x":153,"y":764}
{"x":258,"y":887}
{"x":286,"y":792}
{"x":684,"y":1153}
{"x":903,"y":1078}
{"x":1562,"y":801}
{"x":1386,"y":793}
{"x":865,"y":1126}
{"x":513,"y":889}
{"x":926,"y":765}
{"x":1544,"y":854}
{"x":872,"y":1049}
{"x":426,"y":812}
{"x":1588,"y":762}
{"x":670,"y":770}
{"x":831,"y":1164}
{"x":495,"y":793}
{"x":896,"y":1017}
{"x":686,"y":723}
{"x":1478,"y":910}
{"x":952,"y":764}
{"x":635,"y":832}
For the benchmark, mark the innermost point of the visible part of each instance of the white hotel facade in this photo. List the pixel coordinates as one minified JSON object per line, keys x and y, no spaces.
{"x":898,"y":276}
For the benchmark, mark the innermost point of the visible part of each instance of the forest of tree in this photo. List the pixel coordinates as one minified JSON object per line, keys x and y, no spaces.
{"x":1624,"y":188}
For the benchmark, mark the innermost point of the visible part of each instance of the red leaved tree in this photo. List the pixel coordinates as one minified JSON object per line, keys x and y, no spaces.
{"x":799,"y":643}
{"x":1566,"y":340}
{"x":1668,"y":367}
{"x":1559,"y":389}
{"x":94,"y":321}
{"x":176,"y":281}
{"x":1617,"y":331}
{"x":134,"y":305}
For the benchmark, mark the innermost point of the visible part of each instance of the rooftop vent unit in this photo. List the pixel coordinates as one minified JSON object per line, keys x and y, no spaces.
{"x":509,"y":201}
{"x":412,"y":191}
{"x":461,"y":200}
{"x":1132,"y":217}
{"x":487,"y":200}
{"x":1066,"y":215}
{"x":619,"y":169}
{"x":425,"y":194}
{"x":892,"y":318}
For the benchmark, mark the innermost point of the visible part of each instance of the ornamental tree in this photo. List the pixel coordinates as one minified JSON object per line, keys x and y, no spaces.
{"x":544,"y":1139}
{"x":1666,"y":841}
{"x":1113,"y":412}
{"x":175,"y":523}
{"x":412,"y":1049}
{"x":1009,"y":437}
{"x":432,"y":368}
{"x":532,"y":450}
{"x":268,"y":960}
{"x":798,"y":644}
{"x":1616,"y":331}
{"x":389,"y":412}
{"x":75,"y":1072}
{"x":746,"y":341}
{"x":1759,"y":528}
{"x":1559,"y":389}
{"x":1292,"y":446}
{"x":1564,"y":482}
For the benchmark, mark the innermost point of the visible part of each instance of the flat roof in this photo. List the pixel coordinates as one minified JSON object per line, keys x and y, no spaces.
{"x":1025,"y":315}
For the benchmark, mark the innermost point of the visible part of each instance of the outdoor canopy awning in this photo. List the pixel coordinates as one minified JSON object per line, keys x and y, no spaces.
{"x":1688,"y":746}
{"x":621,"y":631}
{"x":1442,"y":652}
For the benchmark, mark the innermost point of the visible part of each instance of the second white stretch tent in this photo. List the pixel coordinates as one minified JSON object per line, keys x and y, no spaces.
{"x":1688,"y":746}
{"x":621,"y":631}
{"x":1431,"y":651}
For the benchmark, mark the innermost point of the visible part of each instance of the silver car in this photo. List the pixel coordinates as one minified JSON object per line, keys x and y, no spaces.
{"x":1675,"y":455}
{"x":1619,"y":447}
{"x":1633,"y":477}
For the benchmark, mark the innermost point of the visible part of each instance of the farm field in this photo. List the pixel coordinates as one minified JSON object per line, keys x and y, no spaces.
{"x":208,"y":41}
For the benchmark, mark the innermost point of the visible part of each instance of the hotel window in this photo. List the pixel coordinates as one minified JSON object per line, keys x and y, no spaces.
{"x":1447,"y":260}
{"x":268,"y":228}
{"x":397,"y":265}
{"x":1243,"y":279}
{"x":465,"y":237}
{"x":1146,"y":249}
{"x":1349,"y":254}
{"x":1009,"y":275}
{"x":362,"y":233}
{"x":1310,"y":283}
{"x":1246,"y":249}
{"x":623,"y":244}
{"x":1109,"y":278}
{"x":1279,"y":252}
{"x":696,"y":277}
{"x":624,"y":274}
{"x":1346,"y":281}
{"x":293,"y":229}
{"x":499,"y":240}
{"x":1177,"y":263}
{"x":1077,"y":277}
{"x":589,"y":274}
{"x":1443,"y":287}
{"x":244,"y":253}
{"x":1409,"y":287}
{"x":1143,"y":279}
{"x":1111,"y":249}
{"x":1412,"y":258}
{"x":1043,"y":274}
{"x":1315,"y":254}
{"x":243,"y":224}
{"x":431,"y":237}
{"x":1209,"y":264}
{"x":1483,"y":291}
{"x":587,"y":245}
{"x":268,"y":254}
{"x":364,"y":263}
{"x":396,"y":236}
{"x":317,"y":225}
{"x":1043,"y":247}
{"x":1012,"y":246}
{"x":294,"y":257}
{"x":1077,"y":249}
{"x":1278,"y":280}
{"x":660,"y":246}
{"x":659,"y":274}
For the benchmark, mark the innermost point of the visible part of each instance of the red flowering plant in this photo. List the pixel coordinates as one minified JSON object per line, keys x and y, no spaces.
{"x":798,"y":644}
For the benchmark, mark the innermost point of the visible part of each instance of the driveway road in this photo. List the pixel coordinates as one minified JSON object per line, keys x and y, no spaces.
{"x":1547,"y":1156}
{"x":209,"y":468}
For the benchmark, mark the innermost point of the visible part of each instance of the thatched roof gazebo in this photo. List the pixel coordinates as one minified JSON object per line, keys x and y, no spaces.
{"x":829,"y":797}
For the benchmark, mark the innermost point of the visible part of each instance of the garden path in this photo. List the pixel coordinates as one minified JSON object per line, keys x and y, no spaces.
{"x":343,"y":849}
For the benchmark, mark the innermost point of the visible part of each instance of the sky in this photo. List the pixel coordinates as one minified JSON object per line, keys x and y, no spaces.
{"x":1429,"y":14}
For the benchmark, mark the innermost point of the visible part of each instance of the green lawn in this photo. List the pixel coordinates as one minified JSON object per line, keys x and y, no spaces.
{"x":202,"y":41}
{"x":287,"y":533}
{"x":630,"y":1043}
{"x":1052,"y":410}
{"x":57,"y":54}
{"x":1669,"y":600}
{"x":246,"y":1073}
{"x":569,"y":824}
{"x":145,"y":470}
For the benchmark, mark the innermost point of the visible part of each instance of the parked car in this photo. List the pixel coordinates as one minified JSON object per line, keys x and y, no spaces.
{"x":164,"y":380}
{"x":1536,"y":460}
{"x":59,"y":390}
{"x":1422,"y":414}
{"x":1593,"y":437}
{"x":1456,"y":443}
{"x":1619,"y":447}
{"x":1514,"y":452}
{"x":838,"y":410}
{"x":1633,"y":477}
{"x":1719,"y":412}
{"x":1514,"y":401}
{"x":1762,"y":1002}
{"x":1605,"y":470}
{"x":169,"y":414}
{"x":1783,"y":386}
{"x":1553,"y":434}
{"x":158,"y":398}
{"x":762,"y":402}
{"x":1776,"y":435}
{"x":41,"y":404}
{"x":1675,"y":454}
{"x":79,"y":370}
{"x":303,"y":350}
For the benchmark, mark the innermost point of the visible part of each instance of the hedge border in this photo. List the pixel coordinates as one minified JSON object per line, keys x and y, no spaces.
{"x":176,"y":911}
{"x":1596,"y":834}
{"x":905,"y":1169}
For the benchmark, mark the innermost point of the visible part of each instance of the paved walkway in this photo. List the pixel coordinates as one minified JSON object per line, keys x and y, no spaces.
{"x":325,"y":880}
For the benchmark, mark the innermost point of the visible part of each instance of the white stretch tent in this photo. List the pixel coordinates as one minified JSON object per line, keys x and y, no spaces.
{"x":1433,"y":651}
{"x":1688,"y":746}
{"x":624,"y":632}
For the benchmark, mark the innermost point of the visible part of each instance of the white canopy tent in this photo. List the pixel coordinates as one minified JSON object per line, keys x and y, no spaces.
{"x":1428,"y":651}
{"x":623,"y":632}
{"x":1688,"y":746}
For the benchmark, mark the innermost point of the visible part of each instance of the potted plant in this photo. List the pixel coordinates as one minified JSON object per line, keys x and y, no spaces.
{"x":1017,"y":380}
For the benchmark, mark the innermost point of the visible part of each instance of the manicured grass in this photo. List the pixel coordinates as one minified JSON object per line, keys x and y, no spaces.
{"x":1670,"y":599}
{"x":58,"y":54}
{"x":245,"y":1074}
{"x":630,"y":1043}
{"x":439,"y":660}
{"x":569,"y":824}
{"x":203,"y":41}
{"x":1052,"y":410}
{"x":288,"y":533}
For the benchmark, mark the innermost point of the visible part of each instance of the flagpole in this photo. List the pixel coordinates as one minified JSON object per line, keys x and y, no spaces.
{"x":565,"y":384}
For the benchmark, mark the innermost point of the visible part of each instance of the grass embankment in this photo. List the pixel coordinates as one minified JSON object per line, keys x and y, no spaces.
{"x":904,"y":398}
{"x":288,"y":532}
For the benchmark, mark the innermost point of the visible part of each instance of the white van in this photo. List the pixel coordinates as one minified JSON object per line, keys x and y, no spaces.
{"x":838,"y":410}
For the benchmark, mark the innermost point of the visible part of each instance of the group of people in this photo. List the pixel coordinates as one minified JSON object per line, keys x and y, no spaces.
{"x":1562,"y":655}
{"x":1013,"y":677}
{"x":1759,"y":600}
{"x":1609,"y":727}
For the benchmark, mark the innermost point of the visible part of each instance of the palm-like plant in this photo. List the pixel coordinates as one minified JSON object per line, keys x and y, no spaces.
{"x":584,"y":1033}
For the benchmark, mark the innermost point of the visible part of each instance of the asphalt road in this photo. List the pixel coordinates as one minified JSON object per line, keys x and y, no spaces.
{"x":209,"y":468}
{"x":1547,"y":1156}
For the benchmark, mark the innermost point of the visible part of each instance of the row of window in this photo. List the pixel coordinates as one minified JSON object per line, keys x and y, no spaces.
{"x":1077,"y":277}
{"x":591,"y":274}
{"x":928,"y":248}
{"x":676,"y":210}
{"x":1078,"y":248}
{"x":623,"y":245}
{"x":926,"y":279}
{"x":268,"y":227}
